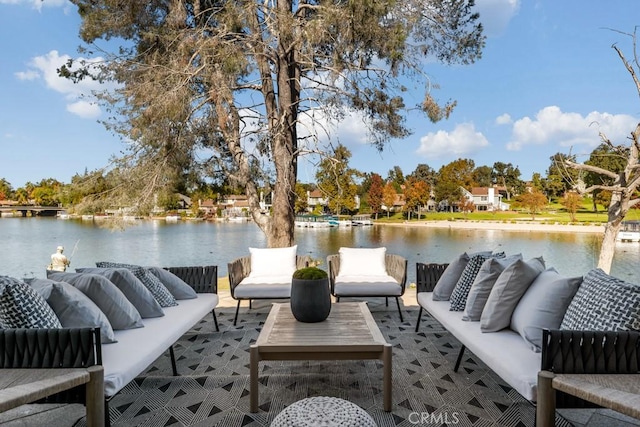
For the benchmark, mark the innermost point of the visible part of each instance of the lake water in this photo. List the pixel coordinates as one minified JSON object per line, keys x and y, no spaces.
{"x":29,"y":242}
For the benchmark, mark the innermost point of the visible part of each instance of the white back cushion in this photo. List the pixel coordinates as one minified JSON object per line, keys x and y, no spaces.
{"x":273,"y":261}
{"x":362,"y":262}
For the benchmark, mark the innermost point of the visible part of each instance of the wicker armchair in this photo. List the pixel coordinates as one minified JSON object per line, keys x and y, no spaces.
{"x":240,"y":268}
{"x":396,"y":267}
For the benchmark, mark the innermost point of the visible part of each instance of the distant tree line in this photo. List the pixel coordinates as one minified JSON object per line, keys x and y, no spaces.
{"x":339,"y":184}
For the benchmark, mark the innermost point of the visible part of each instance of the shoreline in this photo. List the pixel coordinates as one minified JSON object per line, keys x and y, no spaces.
{"x":519,"y":226}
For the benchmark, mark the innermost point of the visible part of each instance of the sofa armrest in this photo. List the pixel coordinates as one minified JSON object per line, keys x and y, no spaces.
{"x":238,"y":269}
{"x":333,"y":266}
{"x":50,"y":348}
{"x":396,"y":266}
{"x":427,"y":275}
{"x":203,"y":279}
{"x":591,"y":352}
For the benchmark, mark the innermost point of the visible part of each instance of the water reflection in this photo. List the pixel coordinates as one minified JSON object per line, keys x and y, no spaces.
{"x":29,"y":242}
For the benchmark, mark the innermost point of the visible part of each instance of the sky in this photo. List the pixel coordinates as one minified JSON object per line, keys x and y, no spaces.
{"x":548,"y":81}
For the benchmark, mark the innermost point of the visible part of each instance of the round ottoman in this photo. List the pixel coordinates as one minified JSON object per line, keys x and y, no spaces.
{"x":323,"y":411}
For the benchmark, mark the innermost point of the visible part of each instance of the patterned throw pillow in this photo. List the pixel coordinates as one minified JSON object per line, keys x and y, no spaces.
{"x":151,"y":282}
{"x":604,"y":303}
{"x":22,"y":307}
{"x":461,"y":291}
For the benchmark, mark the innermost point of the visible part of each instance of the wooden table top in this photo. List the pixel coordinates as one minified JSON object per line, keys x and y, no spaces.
{"x":350,"y":327}
{"x":620,"y":392}
{"x":20,"y":386}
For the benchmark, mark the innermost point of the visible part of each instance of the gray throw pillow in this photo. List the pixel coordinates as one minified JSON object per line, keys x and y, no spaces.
{"x":155,"y":286}
{"x":604,"y":303}
{"x":113,"y":303}
{"x":141,"y":298}
{"x":482,"y":285}
{"x":447,"y":282}
{"x":22,"y":307}
{"x":461,"y":291}
{"x":178,"y":288}
{"x":73,"y":308}
{"x":543,"y":306}
{"x":507,"y":291}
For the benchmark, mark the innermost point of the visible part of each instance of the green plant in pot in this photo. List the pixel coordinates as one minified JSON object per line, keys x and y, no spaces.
{"x":310,"y":295}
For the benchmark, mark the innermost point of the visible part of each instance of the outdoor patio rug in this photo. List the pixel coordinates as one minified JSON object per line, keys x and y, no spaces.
{"x":213,"y":389}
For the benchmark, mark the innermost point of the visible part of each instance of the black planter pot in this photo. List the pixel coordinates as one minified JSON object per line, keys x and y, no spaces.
{"x":310,"y":300}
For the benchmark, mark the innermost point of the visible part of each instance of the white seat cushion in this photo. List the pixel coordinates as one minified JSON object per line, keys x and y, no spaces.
{"x":519,"y":366}
{"x":138,"y":348}
{"x":359,"y":285}
{"x":264,"y":287}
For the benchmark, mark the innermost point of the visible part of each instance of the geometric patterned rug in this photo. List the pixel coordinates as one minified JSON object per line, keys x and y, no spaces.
{"x":213,"y":386}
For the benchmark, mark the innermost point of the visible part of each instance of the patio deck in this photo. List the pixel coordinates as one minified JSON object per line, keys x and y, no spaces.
{"x":213,"y":388}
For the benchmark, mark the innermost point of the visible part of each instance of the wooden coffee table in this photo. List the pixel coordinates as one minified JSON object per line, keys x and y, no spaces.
{"x":349,"y":333}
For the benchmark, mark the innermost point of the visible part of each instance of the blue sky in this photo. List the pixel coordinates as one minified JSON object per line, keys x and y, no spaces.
{"x":549,"y":81}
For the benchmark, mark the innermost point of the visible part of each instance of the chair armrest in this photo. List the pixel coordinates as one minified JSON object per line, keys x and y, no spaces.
{"x":591,"y":352}
{"x":203,"y":279}
{"x":333,"y":267}
{"x":238,"y":269}
{"x":50,"y":348}
{"x":427,"y":275}
{"x":396,"y":266}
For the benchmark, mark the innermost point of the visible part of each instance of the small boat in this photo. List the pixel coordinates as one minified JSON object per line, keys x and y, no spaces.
{"x":238,"y":218}
{"x":361,"y":220}
{"x":172,"y":218}
{"x":630,"y":232}
{"x":312,"y":221}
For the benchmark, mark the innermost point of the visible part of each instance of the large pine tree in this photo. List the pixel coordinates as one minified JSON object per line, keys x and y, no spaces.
{"x":222,"y":88}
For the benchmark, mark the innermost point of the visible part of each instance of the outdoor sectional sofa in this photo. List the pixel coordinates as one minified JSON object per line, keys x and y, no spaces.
{"x":551,"y":324}
{"x":134,"y":348}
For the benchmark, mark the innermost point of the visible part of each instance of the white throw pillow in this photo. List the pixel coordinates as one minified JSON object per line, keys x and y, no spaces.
{"x":273,"y":261}
{"x":362,"y":262}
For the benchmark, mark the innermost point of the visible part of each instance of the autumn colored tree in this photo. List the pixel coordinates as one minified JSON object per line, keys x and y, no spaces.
{"x":6,"y":192}
{"x":466,"y":206}
{"x":235,"y":88}
{"x":375,"y":193}
{"x":572,"y":201}
{"x":389,"y":196}
{"x":416,"y":194}
{"x":533,"y":201}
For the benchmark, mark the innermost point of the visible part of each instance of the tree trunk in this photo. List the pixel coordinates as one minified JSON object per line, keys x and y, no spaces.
{"x":617,"y":210}
{"x":608,"y":247}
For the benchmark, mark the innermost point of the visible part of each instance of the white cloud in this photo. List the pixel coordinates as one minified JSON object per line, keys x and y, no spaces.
{"x":28,"y":75}
{"x":45,"y":68}
{"x":495,"y":15}
{"x":504,"y":119}
{"x":84,"y":109}
{"x":463,"y":140}
{"x":551,"y":125}
{"x":349,"y":130}
{"x":38,"y":4}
